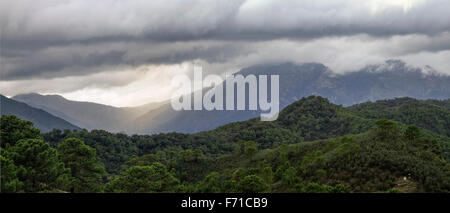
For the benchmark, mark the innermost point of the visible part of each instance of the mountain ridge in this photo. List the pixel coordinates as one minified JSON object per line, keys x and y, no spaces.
{"x":88,"y":115}
{"x":43,"y":120}
{"x":389,"y":80}
{"x":297,"y":81}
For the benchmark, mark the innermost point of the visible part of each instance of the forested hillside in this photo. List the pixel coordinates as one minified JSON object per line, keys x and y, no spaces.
{"x":314,"y":146}
{"x":431,"y":114}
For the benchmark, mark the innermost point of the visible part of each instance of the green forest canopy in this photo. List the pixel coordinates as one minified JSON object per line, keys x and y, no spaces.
{"x":314,"y":146}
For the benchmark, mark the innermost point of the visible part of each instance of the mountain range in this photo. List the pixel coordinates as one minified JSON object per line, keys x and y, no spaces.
{"x":385,"y":81}
{"x":87,"y":115}
{"x":42,"y":120}
{"x":389,"y":80}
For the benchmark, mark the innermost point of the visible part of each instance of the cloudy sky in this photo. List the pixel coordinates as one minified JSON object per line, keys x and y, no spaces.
{"x":125,"y":53}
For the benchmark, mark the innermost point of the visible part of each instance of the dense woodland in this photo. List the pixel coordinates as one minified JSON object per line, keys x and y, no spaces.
{"x":399,"y":145}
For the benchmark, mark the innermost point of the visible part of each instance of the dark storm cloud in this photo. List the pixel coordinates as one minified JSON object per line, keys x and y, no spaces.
{"x":50,"y":68}
{"x":54,"y":22}
{"x":56,"y":38}
{"x":60,"y":61}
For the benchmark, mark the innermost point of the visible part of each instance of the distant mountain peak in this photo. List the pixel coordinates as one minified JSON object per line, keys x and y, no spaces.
{"x":391,"y":65}
{"x":395,"y":66}
{"x":429,"y":70}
